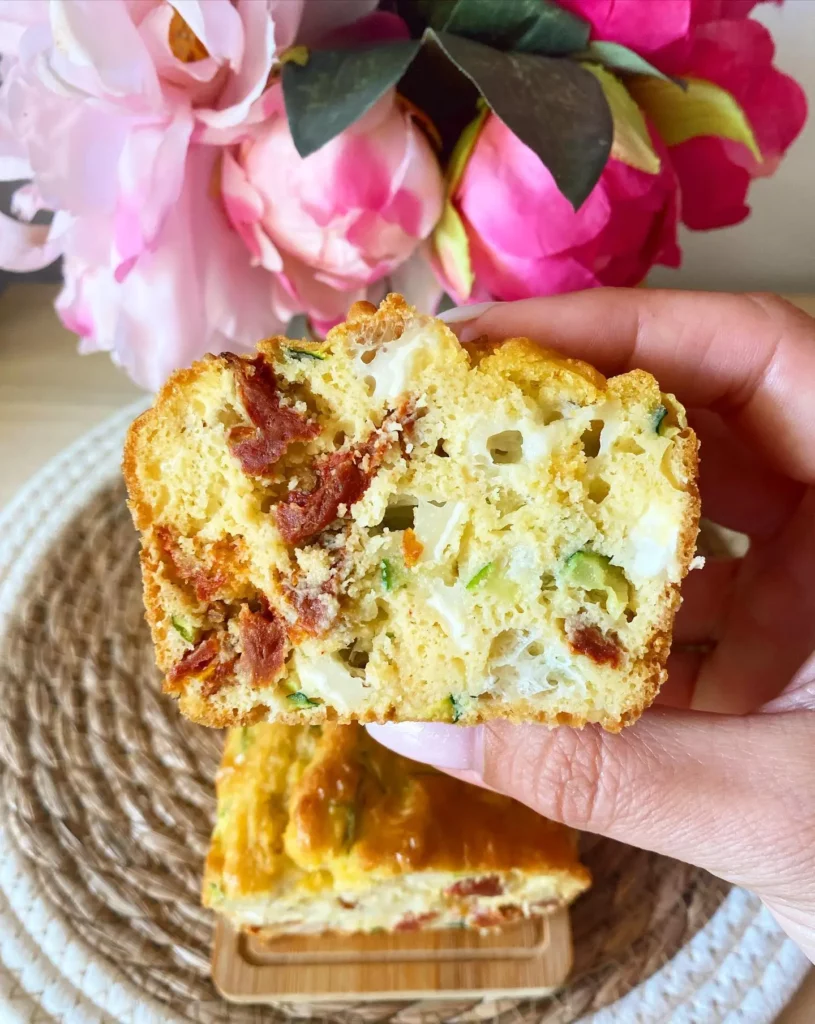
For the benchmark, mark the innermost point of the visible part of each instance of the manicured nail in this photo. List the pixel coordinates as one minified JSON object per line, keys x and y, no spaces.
{"x":460,"y":314}
{"x":445,"y":746}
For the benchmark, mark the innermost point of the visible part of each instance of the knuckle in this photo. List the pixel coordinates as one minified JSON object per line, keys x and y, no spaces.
{"x":581,"y":782}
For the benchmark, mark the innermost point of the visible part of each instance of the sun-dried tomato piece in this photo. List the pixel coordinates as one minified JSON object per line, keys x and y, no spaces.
{"x":274,"y":426}
{"x":602,"y":648}
{"x":488,"y":885}
{"x":196,"y":660}
{"x":414,"y":922}
{"x":206,"y":581}
{"x":342,"y":479}
{"x":264,"y":645}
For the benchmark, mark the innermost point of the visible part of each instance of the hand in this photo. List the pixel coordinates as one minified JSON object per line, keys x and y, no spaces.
{"x":722,"y":775}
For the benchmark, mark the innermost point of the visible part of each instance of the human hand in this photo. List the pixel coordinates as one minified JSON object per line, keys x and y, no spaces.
{"x":722,"y":775}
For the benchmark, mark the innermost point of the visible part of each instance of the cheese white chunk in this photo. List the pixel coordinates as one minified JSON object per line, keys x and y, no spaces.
{"x":328,"y":677}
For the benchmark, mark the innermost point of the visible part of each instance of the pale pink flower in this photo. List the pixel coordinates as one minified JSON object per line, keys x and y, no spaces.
{"x":112,"y":108}
{"x":333,"y":224}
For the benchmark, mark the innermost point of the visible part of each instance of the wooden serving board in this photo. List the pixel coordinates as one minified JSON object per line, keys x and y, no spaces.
{"x":529,"y":958}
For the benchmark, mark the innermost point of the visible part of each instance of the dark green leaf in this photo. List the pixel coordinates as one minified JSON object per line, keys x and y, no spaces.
{"x":555,"y":107}
{"x":620,"y":58}
{"x":336,"y":87}
{"x":528,"y":26}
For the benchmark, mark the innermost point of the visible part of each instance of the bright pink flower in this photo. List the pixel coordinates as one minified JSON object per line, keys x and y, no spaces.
{"x":714,"y":173}
{"x":340,"y":220}
{"x":525,"y":238}
{"x":648,"y":25}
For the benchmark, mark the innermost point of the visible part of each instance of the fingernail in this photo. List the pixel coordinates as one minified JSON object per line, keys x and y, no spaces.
{"x":445,"y":746}
{"x":459,"y":314}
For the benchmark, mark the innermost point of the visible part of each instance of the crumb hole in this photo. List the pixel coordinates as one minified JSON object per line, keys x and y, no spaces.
{"x":630,"y":614}
{"x":535,"y":650}
{"x":397,"y":517}
{"x":370,"y":385}
{"x":551,"y":416}
{"x":339,"y":439}
{"x":355,"y":659}
{"x":440,"y":450}
{"x":590,"y":439}
{"x":368,"y":356}
{"x":598,"y":489}
{"x":506,"y":447}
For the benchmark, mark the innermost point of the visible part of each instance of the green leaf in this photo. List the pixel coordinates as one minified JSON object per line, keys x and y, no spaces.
{"x":336,"y":87}
{"x":619,"y":57}
{"x":526,"y":26}
{"x":701,"y":109}
{"x":464,"y":147}
{"x":555,"y":107}
{"x":632,"y":141}
{"x":480,"y":576}
{"x":300,"y":700}
{"x":453,"y":249}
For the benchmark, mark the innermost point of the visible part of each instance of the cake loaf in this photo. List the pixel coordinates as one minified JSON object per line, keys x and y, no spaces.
{"x":319,"y":828}
{"x":389,"y":525}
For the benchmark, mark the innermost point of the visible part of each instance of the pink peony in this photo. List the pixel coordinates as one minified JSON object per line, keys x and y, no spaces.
{"x":525,"y":239}
{"x":648,"y":25}
{"x":715,"y":173}
{"x":336,"y":222}
{"x":113,"y":109}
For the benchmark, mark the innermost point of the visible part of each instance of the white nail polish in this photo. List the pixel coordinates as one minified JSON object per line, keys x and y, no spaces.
{"x":461,"y":313}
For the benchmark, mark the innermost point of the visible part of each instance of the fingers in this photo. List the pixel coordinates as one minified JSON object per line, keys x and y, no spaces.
{"x":739,"y":490}
{"x":769,"y":631}
{"x":752,"y":358}
{"x":716,"y":792}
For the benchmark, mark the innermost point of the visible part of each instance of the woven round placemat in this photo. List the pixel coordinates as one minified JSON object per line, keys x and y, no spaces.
{"x":107,"y":802}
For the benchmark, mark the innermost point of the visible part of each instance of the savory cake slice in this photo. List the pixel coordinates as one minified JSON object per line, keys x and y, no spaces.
{"x":320,"y":828}
{"x":388,"y":525}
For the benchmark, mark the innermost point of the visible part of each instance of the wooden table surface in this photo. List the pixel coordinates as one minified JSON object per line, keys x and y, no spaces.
{"x":49,"y":396}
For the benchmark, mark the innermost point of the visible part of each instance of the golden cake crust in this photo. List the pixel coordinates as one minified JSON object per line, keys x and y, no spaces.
{"x":326,"y":812}
{"x":209,"y":576}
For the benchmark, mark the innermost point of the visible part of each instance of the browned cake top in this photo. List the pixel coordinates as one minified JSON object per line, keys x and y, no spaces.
{"x":330,"y":801}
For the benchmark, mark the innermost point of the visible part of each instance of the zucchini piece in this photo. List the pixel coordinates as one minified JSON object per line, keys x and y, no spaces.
{"x":300,"y":700}
{"x":481,"y":575}
{"x":591,"y":571}
{"x":303,"y":353}
{"x":386,"y":574}
{"x":658,"y":417}
{"x":183,"y":630}
{"x":459,"y":703}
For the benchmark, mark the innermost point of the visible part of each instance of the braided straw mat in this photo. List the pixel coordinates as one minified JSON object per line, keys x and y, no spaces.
{"x":107,"y":801}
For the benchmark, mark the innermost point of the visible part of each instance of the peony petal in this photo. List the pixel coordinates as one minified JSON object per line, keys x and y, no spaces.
{"x":250,"y":80}
{"x":714,"y":188}
{"x":244,"y":209}
{"x":27,"y":247}
{"x":151,"y":174}
{"x":217,"y":24}
{"x":286,"y":15}
{"x":16,"y":16}
{"x":103,"y":37}
{"x":512,"y":196}
{"x":26,"y":202}
{"x":635,"y":23}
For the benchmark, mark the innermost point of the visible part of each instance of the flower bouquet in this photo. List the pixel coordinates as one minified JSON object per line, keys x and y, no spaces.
{"x":215,"y":168}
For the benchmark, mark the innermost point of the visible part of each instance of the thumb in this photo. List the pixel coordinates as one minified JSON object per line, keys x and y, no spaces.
{"x":732,"y":795}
